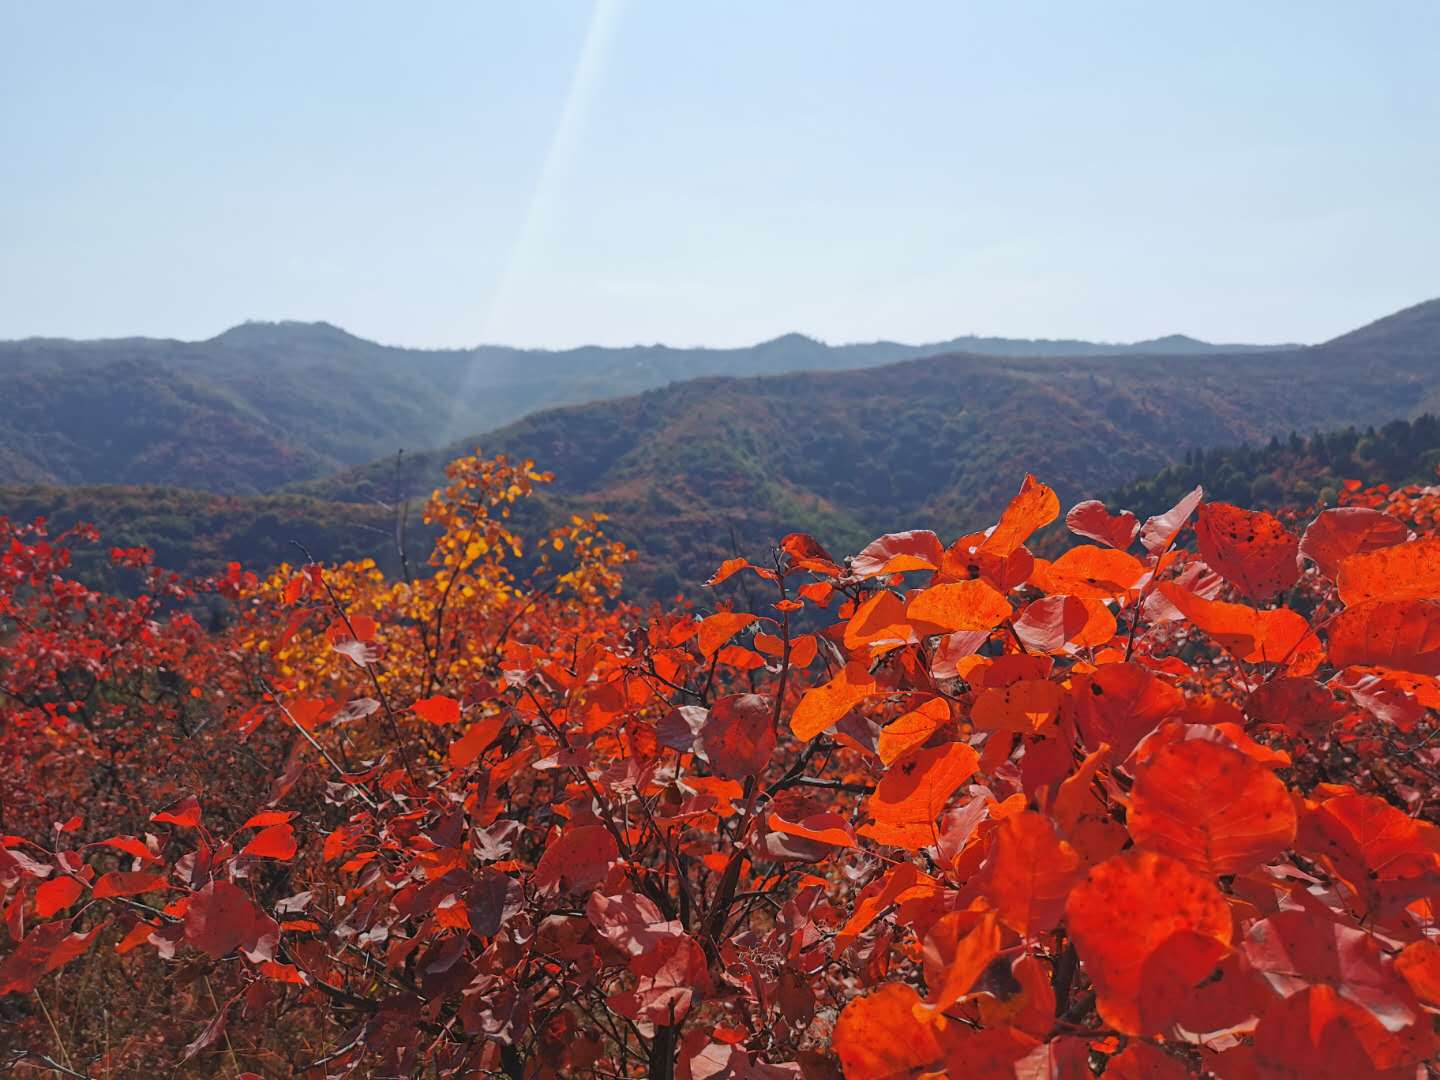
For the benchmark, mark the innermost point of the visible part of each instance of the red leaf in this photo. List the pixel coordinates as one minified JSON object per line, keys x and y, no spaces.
{"x":1160,"y":531}
{"x":47,"y":947}
{"x":221,"y":919}
{"x":1248,"y":548}
{"x":896,"y":553}
{"x":720,"y":628}
{"x":1091,"y":520}
{"x":127,"y":883}
{"x":739,"y":736}
{"x":56,"y":895}
{"x":1348,"y":530}
{"x":274,"y":842}
{"x":439,"y":710}
{"x":185,"y":813}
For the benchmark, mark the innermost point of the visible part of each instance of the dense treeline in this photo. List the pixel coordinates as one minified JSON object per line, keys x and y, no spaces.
{"x":1298,"y":470}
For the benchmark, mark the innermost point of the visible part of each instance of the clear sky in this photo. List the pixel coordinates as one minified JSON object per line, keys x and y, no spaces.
{"x":552,"y":173}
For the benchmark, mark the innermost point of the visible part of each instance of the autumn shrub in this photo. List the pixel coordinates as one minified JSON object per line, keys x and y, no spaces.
{"x":1161,"y":806}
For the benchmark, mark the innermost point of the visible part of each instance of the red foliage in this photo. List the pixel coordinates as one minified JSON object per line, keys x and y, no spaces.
{"x":934,"y":809}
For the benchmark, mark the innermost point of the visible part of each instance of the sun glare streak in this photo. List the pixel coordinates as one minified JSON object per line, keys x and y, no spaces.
{"x":599,"y":33}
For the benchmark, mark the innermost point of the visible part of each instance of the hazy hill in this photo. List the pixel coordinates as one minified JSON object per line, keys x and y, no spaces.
{"x":937,"y":442}
{"x":266,"y":404}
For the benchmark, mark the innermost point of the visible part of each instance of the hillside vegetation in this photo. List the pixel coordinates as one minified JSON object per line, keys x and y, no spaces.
{"x":695,"y":470}
{"x":266,"y":404}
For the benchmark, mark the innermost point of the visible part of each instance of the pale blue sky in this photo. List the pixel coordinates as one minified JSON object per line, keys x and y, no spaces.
{"x":552,"y":173}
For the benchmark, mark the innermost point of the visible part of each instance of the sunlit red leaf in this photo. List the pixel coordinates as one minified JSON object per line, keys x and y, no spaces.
{"x":127,"y":883}
{"x":1029,"y":873}
{"x":914,"y":791}
{"x":185,"y":813}
{"x":960,"y":946}
{"x":1348,"y":530}
{"x":1093,"y":521}
{"x":439,"y":710}
{"x":895,"y":553}
{"x":1248,"y":548}
{"x":56,"y":895}
{"x":878,"y":1036}
{"x":1401,"y":634}
{"x":1119,"y":704}
{"x":273,"y":842}
{"x":1270,"y":636}
{"x":1419,"y":965}
{"x":1211,"y":807}
{"x":958,"y":605}
{"x":825,"y":705}
{"x":1401,"y":572}
{"x":1155,"y":898}
{"x":1034,"y":507}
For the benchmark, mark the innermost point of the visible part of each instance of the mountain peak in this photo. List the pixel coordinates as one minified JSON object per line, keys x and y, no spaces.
{"x":284,"y":331}
{"x":792,"y":340}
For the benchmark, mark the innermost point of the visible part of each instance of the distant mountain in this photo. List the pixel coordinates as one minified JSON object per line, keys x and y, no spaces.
{"x":938,"y":442}
{"x":266,"y":404}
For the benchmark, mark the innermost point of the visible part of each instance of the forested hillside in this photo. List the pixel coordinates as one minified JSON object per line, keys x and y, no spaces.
{"x":265,"y":404}
{"x":937,"y":441}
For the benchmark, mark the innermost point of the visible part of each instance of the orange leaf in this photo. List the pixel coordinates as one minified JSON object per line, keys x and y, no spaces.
{"x":913,"y":728}
{"x":913,"y":793}
{"x":1023,"y":707}
{"x":1035,"y":507}
{"x":827,"y":704}
{"x":127,"y":883}
{"x":822,"y":828}
{"x":958,"y":605}
{"x":874,"y":900}
{"x":963,"y":957}
{"x":1402,"y":634}
{"x":1392,"y":573}
{"x":439,"y":710}
{"x":720,"y":628}
{"x":880,"y":620}
{"x":1155,"y":899}
{"x":1210,"y":807}
{"x":1089,"y":572}
{"x":878,"y":1035}
{"x":275,"y":842}
{"x":1029,"y":873}
{"x":1349,"y":530}
{"x":1274,"y":636}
